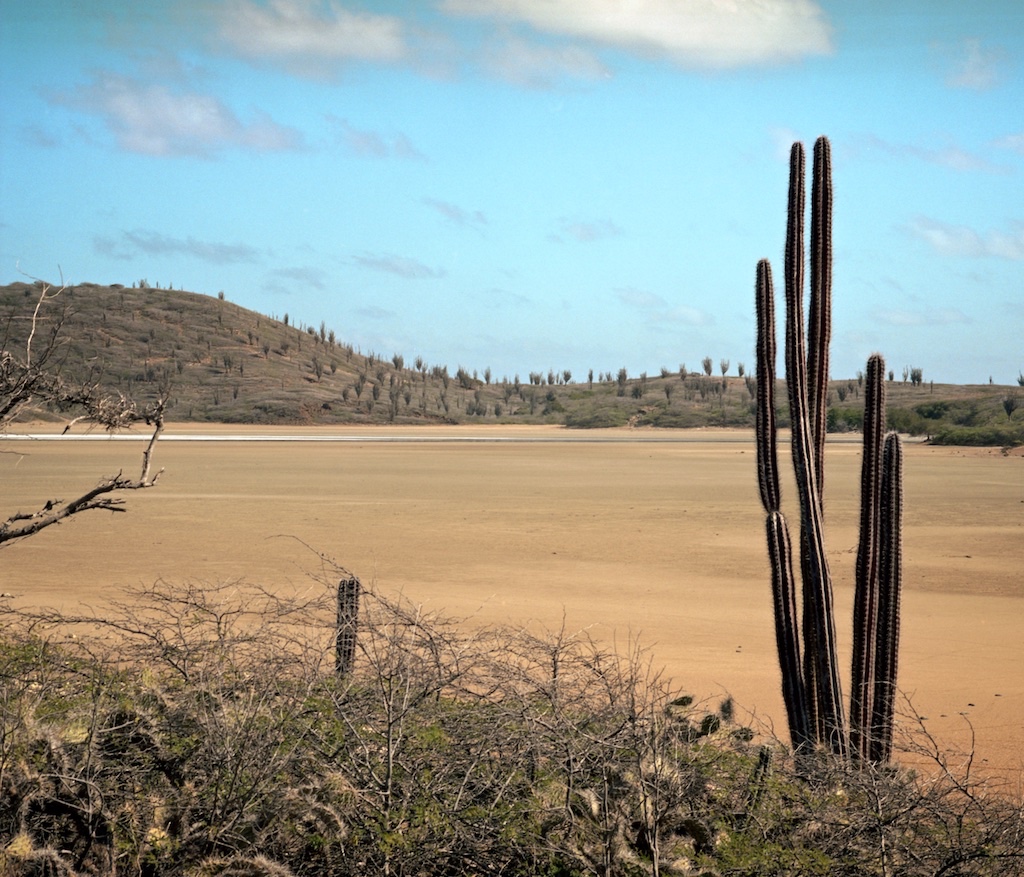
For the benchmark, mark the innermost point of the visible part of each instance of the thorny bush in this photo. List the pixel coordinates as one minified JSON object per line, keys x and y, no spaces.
{"x":203,"y":730}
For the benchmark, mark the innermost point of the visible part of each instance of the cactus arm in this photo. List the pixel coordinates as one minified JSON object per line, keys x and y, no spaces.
{"x":820,"y":317}
{"x":794,"y":281}
{"x":765,"y":430}
{"x":780,"y":553}
{"x":796,"y":380}
{"x":865,"y":599}
{"x":819,"y":624}
{"x":818,"y":610}
{"x":890,"y":575}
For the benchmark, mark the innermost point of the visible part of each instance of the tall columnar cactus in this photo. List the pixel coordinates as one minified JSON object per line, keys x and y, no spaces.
{"x":810,"y":675}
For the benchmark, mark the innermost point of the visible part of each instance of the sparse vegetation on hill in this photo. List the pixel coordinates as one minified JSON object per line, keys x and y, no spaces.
{"x":219,"y":362}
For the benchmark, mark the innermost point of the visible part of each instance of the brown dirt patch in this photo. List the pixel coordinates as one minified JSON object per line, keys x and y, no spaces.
{"x":657,"y":535}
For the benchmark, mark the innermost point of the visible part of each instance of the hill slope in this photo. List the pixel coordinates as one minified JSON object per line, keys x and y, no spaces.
{"x":216,"y":361}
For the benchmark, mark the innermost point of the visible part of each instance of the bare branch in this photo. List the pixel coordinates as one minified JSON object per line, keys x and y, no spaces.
{"x":44,"y":296}
{"x":36,"y":379}
{"x":20,"y":525}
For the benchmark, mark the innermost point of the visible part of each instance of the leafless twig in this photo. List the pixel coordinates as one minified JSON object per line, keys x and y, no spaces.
{"x":36,"y":379}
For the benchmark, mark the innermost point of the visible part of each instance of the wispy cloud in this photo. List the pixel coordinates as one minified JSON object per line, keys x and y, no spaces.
{"x":929,"y":317}
{"x":639,"y":298}
{"x":1014,"y":142}
{"x":1013,"y":309}
{"x":698,"y":33}
{"x":155,"y":119}
{"x":660,"y":311}
{"x":535,"y":65}
{"x":39,"y":136}
{"x":374,"y":144}
{"x":947,"y":155}
{"x":503,"y":298}
{"x":305,"y":276}
{"x":456,"y":214}
{"x":373,"y":312}
{"x":961,"y":240}
{"x":402,"y":266}
{"x":586,"y":231}
{"x":687,"y":316}
{"x":974,"y":66}
{"x":309,"y":38}
{"x":782,"y":140}
{"x":152,"y":243}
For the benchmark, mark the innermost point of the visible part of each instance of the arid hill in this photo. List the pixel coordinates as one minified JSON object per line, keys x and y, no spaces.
{"x":218,"y":362}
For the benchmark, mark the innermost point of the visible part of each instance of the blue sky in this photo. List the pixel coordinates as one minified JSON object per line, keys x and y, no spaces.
{"x":528,"y":184}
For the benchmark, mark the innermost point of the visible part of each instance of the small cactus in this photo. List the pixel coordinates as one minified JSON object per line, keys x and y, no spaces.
{"x":347,"y":625}
{"x":758,"y":783}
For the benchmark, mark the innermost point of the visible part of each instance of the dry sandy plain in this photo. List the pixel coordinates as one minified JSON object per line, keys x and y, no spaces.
{"x":632,"y":533}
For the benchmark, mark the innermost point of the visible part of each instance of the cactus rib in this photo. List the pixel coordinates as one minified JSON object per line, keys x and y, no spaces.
{"x":780,"y":553}
{"x":889,"y":589}
{"x":767,"y":457}
{"x":865,"y":600}
{"x":819,"y":323}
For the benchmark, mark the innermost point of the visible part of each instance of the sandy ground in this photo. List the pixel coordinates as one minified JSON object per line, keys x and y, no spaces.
{"x":632,"y":533}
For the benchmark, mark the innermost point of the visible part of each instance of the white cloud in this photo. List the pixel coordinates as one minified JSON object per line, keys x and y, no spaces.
{"x":306,"y":276}
{"x":373,"y":144}
{"x":308,"y":35}
{"x":659,"y":311}
{"x":157,"y":120}
{"x":1011,"y":141}
{"x":782,"y":140}
{"x":930,"y":317}
{"x":1007,"y":245}
{"x":586,"y":232}
{"x":503,"y":298}
{"x":403,"y":266}
{"x":961,"y":240}
{"x":154,"y":243}
{"x":374,"y":312}
{"x":639,"y":298}
{"x":975,"y":67}
{"x":697,"y":33}
{"x":533,"y":65}
{"x":948,"y":155}
{"x":456,"y":214}
{"x":39,"y":136}
{"x":688,"y":316}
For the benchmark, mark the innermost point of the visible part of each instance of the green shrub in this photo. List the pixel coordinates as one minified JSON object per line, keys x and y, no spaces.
{"x":678,"y":418}
{"x":1009,"y":436}
{"x":933,"y":410}
{"x":596,"y":418}
{"x":909,"y":422}
{"x":844,"y":420}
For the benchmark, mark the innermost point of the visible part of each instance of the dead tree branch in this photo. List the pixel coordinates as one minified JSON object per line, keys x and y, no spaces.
{"x":35,"y":379}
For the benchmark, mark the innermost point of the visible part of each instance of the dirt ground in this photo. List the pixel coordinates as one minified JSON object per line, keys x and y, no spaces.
{"x":656,"y":535}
